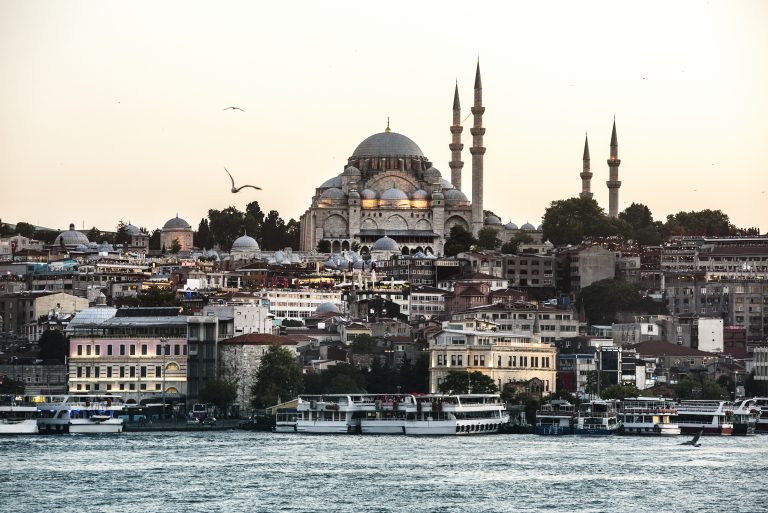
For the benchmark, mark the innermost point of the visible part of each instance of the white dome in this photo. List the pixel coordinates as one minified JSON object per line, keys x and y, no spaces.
{"x":245,"y":243}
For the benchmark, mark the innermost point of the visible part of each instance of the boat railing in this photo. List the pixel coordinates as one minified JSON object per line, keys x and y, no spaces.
{"x":649,"y":411}
{"x":597,"y":414}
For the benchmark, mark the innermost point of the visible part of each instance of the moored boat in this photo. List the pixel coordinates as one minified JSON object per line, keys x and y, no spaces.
{"x":17,"y":416}
{"x":597,"y":418}
{"x":285,"y":421}
{"x":463,"y":414}
{"x":648,"y":416}
{"x":745,"y":417}
{"x":708,"y":417}
{"x":761,"y":403}
{"x":328,"y":413}
{"x":81,"y":414}
{"x":555,"y":418}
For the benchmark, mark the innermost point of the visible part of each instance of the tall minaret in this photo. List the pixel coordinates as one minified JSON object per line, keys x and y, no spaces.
{"x":477,"y":150}
{"x":613,"y":182}
{"x":586,"y":174}
{"x":456,"y":164}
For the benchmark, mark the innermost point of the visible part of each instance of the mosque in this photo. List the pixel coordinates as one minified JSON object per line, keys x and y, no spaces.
{"x":389,"y":192}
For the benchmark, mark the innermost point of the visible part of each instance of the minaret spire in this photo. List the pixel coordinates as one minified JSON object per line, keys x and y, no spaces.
{"x":613,"y":182}
{"x":477,"y":150}
{"x":456,"y":164}
{"x":586,"y":174}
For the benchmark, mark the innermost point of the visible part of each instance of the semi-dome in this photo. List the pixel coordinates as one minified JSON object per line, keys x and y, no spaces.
{"x":446,"y":184}
{"x":333,"y":194}
{"x":332,"y":182}
{"x":393,"y":194}
{"x":245,"y":243}
{"x":70,"y":237}
{"x":540,"y":228}
{"x":176,"y":223}
{"x":368,"y":194}
{"x":432,"y":173}
{"x":437,"y":195}
{"x":455,"y":196}
{"x":353,"y":194}
{"x":492,"y":220}
{"x":327,"y":308}
{"x":387,"y":144}
{"x":351,"y":171}
{"x":511,"y":226}
{"x":385,"y":244}
{"x":528,"y":227}
{"x":419,"y":194}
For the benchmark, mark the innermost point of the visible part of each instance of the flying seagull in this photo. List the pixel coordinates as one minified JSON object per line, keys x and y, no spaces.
{"x":695,"y":440}
{"x":643,"y":77}
{"x":234,"y":108}
{"x":238,"y":189}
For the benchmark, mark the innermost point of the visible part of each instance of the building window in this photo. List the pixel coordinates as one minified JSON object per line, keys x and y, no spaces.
{"x":176,"y":349}
{"x":109,"y":387}
{"x":157,"y":386}
{"x":132,"y":372}
{"x":143,"y":386}
{"x":97,"y":350}
{"x":453,"y":360}
{"x":158,"y":371}
{"x":122,"y":386}
{"x":482,"y":360}
{"x":109,"y":350}
{"x":96,"y":371}
{"x":109,"y":371}
{"x":79,"y":350}
{"x":122,"y":371}
{"x":133,"y":349}
{"x":122,"y":349}
{"x":475,"y":361}
{"x":143,"y":349}
{"x":87,"y":372}
{"x":461,"y":360}
{"x":143,"y":372}
{"x":87,"y":350}
{"x":158,"y":350}
{"x":79,"y":372}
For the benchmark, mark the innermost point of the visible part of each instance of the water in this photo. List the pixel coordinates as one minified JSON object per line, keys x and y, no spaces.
{"x":248,"y":471}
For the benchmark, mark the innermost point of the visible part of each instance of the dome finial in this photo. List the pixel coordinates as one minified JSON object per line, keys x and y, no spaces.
{"x":388,"y":129}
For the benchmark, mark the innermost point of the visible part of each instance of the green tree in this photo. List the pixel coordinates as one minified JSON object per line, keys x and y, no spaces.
{"x":291,"y":323}
{"x":220,"y":393}
{"x":94,"y":235}
{"x":155,"y":296}
{"x":5,"y":229}
{"x":273,"y":232}
{"x":487,"y":238}
{"x":621,"y":391}
{"x":640,"y":220}
{"x":54,"y":345}
{"x":278,"y":378}
{"x":154,"y":240}
{"x":292,"y":237}
{"x":704,"y":222}
{"x":458,"y":241}
{"x":570,"y":221}
{"x":323,"y":246}
{"x":25,"y":230}
{"x":202,"y":237}
{"x":226,"y":226}
{"x":604,"y":299}
{"x":475,"y":382}
{"x":511,"y":247}
{"x":175,"y":246}
{"x":355,"y":246}
{"x":254,"y":219}
{"x":364,"y":344}
{"x":121,"y":233}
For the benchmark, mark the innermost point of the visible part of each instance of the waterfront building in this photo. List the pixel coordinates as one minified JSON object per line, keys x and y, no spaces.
{"x":204,"y":333}
{"x":21,"y":311}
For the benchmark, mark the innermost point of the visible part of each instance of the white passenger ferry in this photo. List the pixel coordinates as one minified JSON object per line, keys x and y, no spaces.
{"x":81,"y":414}
{"x":464,"y":414}
{"x":555,"y":418}
{"x":709,"y":417}
{"x":761,"y":403}
{"x":17,"y":417}
{"x":597,"y":418}
{"x":285,"y":421}
{"x":648,"y":416}
{"x":329,"y":413}
{"x":745,"y":416}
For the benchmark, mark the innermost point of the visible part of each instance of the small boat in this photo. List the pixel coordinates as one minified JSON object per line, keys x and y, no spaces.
{"x":745,"y":416}
{"x":761,"y":403}
{"x":597,"y":418}
{"x":555,"y":418}
{"x":648,"y":416}
{"x":285,"y":421}
{"x":713,"y":417}
{"x":18,"y":417}
{"x":81,"y":414}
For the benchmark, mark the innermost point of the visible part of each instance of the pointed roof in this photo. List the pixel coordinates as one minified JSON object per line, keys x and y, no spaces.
{"x":456,"y":104}
{"x":613,"y":135}
{"x":586,"y":147}
{"x":478,"y":82}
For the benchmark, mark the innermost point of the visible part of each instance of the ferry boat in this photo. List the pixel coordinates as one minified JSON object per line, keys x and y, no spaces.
{"x":709,"y":417}
{"x":648,"y":416}
{"x":555,"y":418}
{"x":597,"y":418}
{"x":761,"y":403}
{"x":81,"y":414}
{"x":464,"y":414}
{"x":385,"y":414}
{"x":17,"y":417}
{"x":328,"y":413}
{"x":745,"y":416}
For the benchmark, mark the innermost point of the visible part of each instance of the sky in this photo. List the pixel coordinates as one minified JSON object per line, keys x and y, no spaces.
{"x":114,"y":111}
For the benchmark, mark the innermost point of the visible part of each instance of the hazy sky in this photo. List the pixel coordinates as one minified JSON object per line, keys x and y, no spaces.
{"x":113,"y":110}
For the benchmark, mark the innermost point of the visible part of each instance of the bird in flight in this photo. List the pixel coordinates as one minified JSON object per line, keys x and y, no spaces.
{"x":234,"y":108}
{"x":238,"y":189}
{"x":695,"y":441}
{"x":643,"y":77}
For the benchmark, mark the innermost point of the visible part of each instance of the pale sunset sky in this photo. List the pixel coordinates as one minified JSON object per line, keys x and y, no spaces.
{"x":114,"y":110}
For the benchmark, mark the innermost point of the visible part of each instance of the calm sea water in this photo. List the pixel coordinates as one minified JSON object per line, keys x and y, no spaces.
{"x":248,"y":471}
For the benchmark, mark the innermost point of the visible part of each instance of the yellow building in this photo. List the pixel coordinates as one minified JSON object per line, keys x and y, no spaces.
{"x":504,"y":356}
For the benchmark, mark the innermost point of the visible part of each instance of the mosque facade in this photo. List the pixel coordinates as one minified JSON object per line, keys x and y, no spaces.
{"x":389,"y":188}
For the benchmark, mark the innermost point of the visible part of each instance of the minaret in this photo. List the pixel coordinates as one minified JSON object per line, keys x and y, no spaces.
{"x":586,"y":174}
{"x":613,"y":182}
{"x":456,"y":164}
{"x":477,"y":150}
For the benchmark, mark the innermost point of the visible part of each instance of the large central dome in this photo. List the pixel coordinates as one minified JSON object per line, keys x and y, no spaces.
{"x":387,"y":144}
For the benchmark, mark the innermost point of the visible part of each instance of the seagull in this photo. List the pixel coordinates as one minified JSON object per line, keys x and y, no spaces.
{"x":643,"y":77}
{"x":695,"y":440}
{"x":238,"y":189}
{"x":234,"y":108}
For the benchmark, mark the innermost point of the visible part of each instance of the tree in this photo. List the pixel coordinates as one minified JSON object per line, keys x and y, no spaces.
{"x":640,"y":220}
{"x":273,"y":232}
{"x":604,"y":299}
{"x":705,"y":222}
{"x":355,"y":246}
{"x":458,"y":241}
{"x":54,"y":345}
{"x":323,"y":246}
{"x":254,"y":219}
{"x":291,"y":323}
{"x":5,"y":229}
{"x":121,"y":233}
{"x":154,"y":240}
{"x":339,"y":378}
{"x":487,"y":238}
{"x":94,"y":234}
{"x":278,"y":378}
{"x":25,"y":230}
{"x":475,"y":382}
{"x":570,"y":221}
{"x":155,"y":296}
{"x":364,"y":344}
{"x":511,"y":247}
{"x":292,"y":237}
{"x":620,"y":391}
{"x":226,"y":225}
{"x":175,"y":246}
{"x":220,"y":393}
{"x":203,"y":237}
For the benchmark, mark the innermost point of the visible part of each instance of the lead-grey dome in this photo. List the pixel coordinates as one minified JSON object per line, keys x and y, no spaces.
{"x":332,"y":182}
{"x":385,"y":244}
{"x":510,"y":226}
{"x":387,"y":144}
{"x":419,"y":194}
{"x":528,"y":227}
{"x":368,"y":194}
{"x":71,"y":237}
{"x":333,"y":194}
{"x":327,"y":308}
{"x":492,"y":220}
{"x":132,"y":229}
{"x":394,"y":194}
{"x":245,"y":243}
{"x":454,"y":195}
{"x":351,"y":171}
{"x":446,"y":184}
{"x":176,"y":223}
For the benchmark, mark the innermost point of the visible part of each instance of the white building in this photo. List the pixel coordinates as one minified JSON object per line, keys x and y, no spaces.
{"x":247,"y":317}
{"x":299,"y":304}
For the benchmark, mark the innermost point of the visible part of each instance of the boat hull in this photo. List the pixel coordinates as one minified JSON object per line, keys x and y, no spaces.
{"x":724,"y":430}
{"x":595,"y":431}
{"x":453,"y":427}
{"x":552,"y":430}
{"x":658,"y":430}
{"x":24,"y":427}
{"x":382,"y":427}
{"x":284,"y":428}
{"x":325,"y":427}
{"x":86,"y":427}
{"x":743,"y":429}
